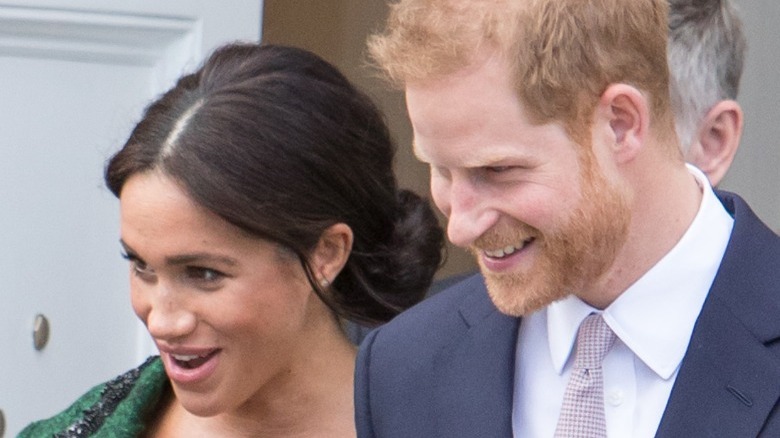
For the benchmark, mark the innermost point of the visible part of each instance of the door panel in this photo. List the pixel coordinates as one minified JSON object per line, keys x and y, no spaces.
{"x":74,"y":78}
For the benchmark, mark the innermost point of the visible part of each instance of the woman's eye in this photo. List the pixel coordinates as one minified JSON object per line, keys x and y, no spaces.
{"x":138,"y":266}
{"x":204,"y":274}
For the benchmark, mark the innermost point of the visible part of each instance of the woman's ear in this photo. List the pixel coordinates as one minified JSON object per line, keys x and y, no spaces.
{"x":624,"y":113}
{"x":331,"y":253}
{"x":717,"y":140}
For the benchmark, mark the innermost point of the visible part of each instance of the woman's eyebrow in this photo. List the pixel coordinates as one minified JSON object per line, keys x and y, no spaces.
{"x":184,"y":259}
{"x":200,"y":257}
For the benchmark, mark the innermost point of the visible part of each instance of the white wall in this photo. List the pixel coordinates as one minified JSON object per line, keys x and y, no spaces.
{"x":755,"y":173}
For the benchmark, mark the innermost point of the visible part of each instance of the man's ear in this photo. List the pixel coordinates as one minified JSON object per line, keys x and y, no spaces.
{"x":331,"y":253}
{"x":717,"y":140}
{"x":625,"y":111}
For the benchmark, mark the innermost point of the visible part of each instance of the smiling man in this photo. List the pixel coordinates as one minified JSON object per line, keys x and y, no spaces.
{"x":549,"y":132}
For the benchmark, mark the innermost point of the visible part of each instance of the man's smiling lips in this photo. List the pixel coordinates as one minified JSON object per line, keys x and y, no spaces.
{"x":506,"y":251}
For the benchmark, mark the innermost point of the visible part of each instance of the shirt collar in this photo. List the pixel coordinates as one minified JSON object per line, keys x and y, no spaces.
{"x":655,"y":316}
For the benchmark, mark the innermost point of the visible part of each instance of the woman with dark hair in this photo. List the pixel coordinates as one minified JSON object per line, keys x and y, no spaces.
{"x":259,"y":211}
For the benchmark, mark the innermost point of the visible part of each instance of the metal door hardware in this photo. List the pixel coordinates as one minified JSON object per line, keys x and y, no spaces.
{"x":40,"y":332}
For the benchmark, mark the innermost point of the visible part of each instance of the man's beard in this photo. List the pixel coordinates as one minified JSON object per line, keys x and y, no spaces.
{"x":566,"y":258}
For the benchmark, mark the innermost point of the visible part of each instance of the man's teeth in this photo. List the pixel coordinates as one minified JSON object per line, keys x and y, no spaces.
{"x":502,"y":252}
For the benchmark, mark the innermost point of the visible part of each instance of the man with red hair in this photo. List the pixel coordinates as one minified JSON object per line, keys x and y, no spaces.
{"x":550,"y":136}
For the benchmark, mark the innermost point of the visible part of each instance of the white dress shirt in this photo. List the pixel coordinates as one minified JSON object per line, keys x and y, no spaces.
{"x":653,"y":320}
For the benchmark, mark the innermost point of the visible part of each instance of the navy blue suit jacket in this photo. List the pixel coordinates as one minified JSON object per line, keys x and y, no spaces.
{"x":445,"y":368}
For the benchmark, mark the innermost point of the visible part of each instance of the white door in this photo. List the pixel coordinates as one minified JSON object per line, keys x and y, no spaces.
{"x":74,"y":78}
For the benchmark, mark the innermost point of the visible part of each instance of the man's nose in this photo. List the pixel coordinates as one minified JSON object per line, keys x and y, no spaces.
{"x":469,"y":212}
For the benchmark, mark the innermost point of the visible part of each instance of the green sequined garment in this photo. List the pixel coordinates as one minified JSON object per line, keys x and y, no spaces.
{"x":119,"y":408}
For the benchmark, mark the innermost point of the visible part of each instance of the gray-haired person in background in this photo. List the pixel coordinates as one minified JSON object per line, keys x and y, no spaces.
{"x":706,"y":53}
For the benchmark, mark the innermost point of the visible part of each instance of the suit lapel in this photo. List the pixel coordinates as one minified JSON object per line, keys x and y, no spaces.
{"x":727,"y":385}
{"x":476,"y":374}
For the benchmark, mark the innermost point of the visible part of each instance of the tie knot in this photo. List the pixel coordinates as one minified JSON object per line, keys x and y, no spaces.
{"x":594,"y":338}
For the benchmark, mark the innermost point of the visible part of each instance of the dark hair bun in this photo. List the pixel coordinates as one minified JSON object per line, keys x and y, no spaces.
{"x":418,"y":242}
{"x":400,"y":276}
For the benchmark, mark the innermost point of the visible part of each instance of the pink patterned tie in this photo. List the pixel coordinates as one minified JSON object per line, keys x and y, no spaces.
{"x":582,"y":413}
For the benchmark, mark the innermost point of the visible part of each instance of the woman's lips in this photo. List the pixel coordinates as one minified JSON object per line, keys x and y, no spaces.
{"x":187,"y":368}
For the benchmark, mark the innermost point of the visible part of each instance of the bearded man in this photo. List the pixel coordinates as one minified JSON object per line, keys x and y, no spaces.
{"x":619,"y":294}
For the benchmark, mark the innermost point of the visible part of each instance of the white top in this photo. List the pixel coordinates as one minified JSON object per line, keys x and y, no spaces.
{"x":653,"y":320}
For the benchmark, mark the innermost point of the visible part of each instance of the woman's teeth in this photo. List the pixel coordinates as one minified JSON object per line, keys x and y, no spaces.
{"x":185,"y":357}
{"x":191,"y":360}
